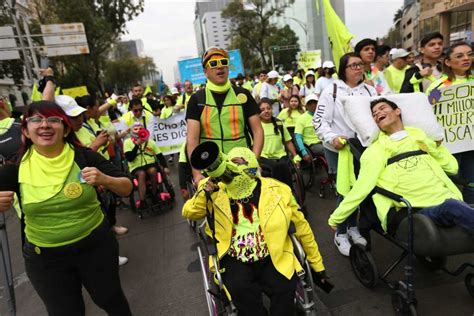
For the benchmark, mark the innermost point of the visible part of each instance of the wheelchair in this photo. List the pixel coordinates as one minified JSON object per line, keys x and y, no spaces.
{"x":296,"y":180}
{"x":163,"y":200}
{"x":218,"y":299}
{"x":418,"y":237}
{"x":309,"y":171}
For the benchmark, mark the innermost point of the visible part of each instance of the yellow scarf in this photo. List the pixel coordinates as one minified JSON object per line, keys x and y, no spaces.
{"x":218,"y":88}
{"x":5,"y":125}
{"x":41,"y":177}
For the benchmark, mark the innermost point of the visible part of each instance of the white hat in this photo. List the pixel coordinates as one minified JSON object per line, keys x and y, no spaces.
{"x":328,"y":64}
{"x":311,"y":97}
{"x":400,"y":53}
{"x":272,"y":74}
{"x":287,"y":77}
{"x":69,"y":105}
{"x":309,"y":73}
{"x":393,"y":50}
{"x":174,"y":90}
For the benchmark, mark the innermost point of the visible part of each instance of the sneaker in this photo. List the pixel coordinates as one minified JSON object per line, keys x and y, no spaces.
{"x":119,"y":230}
{"x":122,"y":260}
{"x":356,"y":237}
{"x":342,"y":243}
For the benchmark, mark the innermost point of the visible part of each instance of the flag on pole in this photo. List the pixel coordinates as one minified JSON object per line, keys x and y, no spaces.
{"x":35,"y":94}
{"x":339,"y":35}
{"x":147,"y":90}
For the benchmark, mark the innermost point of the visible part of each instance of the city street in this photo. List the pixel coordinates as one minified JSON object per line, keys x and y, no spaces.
{"x":162,"y":276}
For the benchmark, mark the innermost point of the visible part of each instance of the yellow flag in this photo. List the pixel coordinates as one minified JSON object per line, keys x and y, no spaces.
{"x":35,"y":94}
{"x":147,"y":90}
{"x":339,"y":35}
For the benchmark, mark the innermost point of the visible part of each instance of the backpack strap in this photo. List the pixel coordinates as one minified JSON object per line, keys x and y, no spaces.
{"x":334,"y":92}
{"x":405,"y":155}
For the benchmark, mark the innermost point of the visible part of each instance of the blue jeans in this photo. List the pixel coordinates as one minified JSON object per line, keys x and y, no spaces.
{"x":331,"y":157}
{"x":466,"y":172}
{"x":451,"y":213}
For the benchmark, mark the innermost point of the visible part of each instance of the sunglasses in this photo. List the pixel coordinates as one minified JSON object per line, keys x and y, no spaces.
{"x":137,"y":110}
{"x":215,"y":63}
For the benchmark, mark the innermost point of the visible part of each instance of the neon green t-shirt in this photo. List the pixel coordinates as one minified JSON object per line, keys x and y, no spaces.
{"x":273,"y":148}
{"x":69,"y":216}
{"x":145,"y":155}
{"x":394,"y":78}
{"x":182,"y":154}
{"x":304,"y":126}
{"x":166,"y":112}
{"x":287,"y":120}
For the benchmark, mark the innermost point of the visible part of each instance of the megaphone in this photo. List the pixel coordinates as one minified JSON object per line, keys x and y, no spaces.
{"x":208,"y":158}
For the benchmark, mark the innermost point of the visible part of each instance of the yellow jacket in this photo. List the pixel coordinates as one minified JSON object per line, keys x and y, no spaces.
{"x":276,"y":209}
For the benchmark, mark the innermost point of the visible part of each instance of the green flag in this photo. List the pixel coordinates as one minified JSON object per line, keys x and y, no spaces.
{"x":339,"y":35}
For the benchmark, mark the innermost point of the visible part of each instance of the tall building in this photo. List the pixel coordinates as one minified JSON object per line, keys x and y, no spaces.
{"x":204,"y":12}
{"x":409,"y":25}
{"x":454,"y":19}
{"x":131,"y":48}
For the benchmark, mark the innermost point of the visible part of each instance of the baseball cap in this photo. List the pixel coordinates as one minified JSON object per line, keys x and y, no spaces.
{"x":311,"y":97}
{"x":174,"y":90}
{"x":287,"y":77}
{"x":309,"y":73}
{"x":400,"y":53}
{"x":328,"y":64}
{"x":69,"y":105}
{"x":211,"y":52}
{"x":272,"y":74}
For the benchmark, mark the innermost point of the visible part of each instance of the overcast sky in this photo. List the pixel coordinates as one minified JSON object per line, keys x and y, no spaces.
{"x":166,"y":27}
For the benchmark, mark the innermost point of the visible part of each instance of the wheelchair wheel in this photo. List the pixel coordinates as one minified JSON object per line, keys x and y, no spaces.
{"x":401,"y":305}
{"x":307,"y":172}
{"x":469,"y":282}
{"x":298,"y":184}
{"x":432,"y":263}
{"x":363,"y":265}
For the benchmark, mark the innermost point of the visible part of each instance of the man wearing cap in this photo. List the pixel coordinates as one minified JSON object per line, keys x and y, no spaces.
{"x":288,"y":90}
{"x":395,"y":73}
{"x":271,"y":91}
{"x":226,"y":115}
{"x":329,"y":70}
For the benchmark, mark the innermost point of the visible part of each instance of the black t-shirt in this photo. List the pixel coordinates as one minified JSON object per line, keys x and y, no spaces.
{"x":196,"y":103}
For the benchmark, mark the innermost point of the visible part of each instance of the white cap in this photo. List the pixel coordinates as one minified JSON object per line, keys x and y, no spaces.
{"x":328,"y":64}
{"x":311,"y":97}
{"x":393,"y":50}
{"x":174,"y":90}
{"x":309,"y":73}
{"x":69,"y":105}
{"x":400,"y":53}
{"x":287,"y":77}
{"x":272,"y":74}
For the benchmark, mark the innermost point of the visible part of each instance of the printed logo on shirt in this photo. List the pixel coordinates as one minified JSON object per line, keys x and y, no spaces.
{"x":72,"y":190}
{"x":242,"y":97}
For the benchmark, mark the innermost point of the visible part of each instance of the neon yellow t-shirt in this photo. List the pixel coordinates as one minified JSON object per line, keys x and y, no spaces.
{"x":394,"y":77}
{"x":273,"y":148}
{"x":166,"y":112}
{"x":145,"y":155}
{"x":304,"y":126}
{"x":287,"y":120}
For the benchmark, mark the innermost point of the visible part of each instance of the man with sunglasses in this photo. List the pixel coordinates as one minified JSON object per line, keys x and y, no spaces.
{"x":136,"y":114}
{"x":226,"y":115}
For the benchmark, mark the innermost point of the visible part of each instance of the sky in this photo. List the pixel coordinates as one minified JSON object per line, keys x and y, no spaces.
{"x":167,"y":31}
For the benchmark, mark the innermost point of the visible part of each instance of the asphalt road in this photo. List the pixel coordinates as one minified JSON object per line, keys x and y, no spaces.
{"x":162,"y":278}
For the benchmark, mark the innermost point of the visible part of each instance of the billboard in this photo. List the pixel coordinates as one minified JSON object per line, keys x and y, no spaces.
{"x":191,"y":69}
{"x":65,"y":39}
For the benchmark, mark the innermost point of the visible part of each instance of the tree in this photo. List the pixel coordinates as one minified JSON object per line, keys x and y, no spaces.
{"x":104,"y":22}
{"x":251,"y":25}
{"x":122,"y":73}
{"x":284,"y":37}
{"x":398,"y":15}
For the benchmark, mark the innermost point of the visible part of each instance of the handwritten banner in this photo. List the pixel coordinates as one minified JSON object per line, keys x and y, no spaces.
{"x":453,"y":107}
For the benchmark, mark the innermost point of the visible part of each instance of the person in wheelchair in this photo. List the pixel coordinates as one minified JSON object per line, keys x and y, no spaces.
{"x":420,"y":176}
{"x":141,"y":154}
{"x":304,"y":131}
{"x":274,"y":158}
{"x":252,"y":215}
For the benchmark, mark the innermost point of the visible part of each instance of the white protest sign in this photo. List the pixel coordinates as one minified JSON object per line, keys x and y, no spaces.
{"x":169,"y":134}
{"x":453,"y":107}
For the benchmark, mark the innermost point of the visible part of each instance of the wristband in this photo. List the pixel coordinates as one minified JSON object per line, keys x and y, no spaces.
{"x":42,"y":82}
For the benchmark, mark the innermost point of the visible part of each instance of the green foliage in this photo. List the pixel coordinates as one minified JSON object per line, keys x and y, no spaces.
{"x":252,"y":29}
{"x":104,"y":22}
{"x":122,"y":73}
{"x":284,"y":37}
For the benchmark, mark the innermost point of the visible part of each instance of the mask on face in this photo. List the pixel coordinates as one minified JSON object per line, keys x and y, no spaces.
{"x":243,"y":163}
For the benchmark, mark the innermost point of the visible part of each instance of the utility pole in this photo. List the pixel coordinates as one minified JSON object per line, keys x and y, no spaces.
{"x":29,"y":72}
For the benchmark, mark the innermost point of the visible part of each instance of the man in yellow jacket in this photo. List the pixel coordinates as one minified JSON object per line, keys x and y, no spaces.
{"x":252,"y":215}
{"x":419,"y":176}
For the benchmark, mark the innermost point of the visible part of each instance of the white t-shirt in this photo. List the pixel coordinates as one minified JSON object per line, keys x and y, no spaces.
{"x":322,"y":83}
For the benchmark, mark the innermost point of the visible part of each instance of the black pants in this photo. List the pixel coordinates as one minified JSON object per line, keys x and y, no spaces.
{"x":58,"y":274}
{"x":247,"y":281}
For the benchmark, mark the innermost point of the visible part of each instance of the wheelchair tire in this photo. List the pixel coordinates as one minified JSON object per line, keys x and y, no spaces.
{"x":298,"y":184}
{"x":401,"y":306}
{"x":432,"y":263}
{"x":363,"y":266}
{"x":469,"y":282}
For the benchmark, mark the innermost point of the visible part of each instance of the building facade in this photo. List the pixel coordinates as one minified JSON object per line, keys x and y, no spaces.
{"x":215,"y":29}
